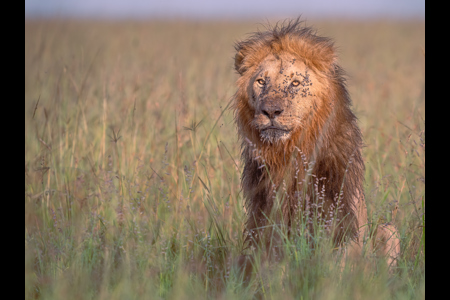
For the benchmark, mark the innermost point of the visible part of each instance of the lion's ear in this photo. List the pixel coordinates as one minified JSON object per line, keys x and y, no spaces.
{"x":239,"y":58}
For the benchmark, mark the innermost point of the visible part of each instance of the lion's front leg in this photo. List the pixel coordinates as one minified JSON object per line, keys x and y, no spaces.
{"x":355,"y":248}
{"x":387,"y":243}
{"x":385,"y":238}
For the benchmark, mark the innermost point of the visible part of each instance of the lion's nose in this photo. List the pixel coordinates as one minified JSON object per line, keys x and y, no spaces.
{"x":272,"y":111}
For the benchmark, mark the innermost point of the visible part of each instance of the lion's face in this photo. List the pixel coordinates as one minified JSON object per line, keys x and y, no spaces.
{"x":281,"y":94}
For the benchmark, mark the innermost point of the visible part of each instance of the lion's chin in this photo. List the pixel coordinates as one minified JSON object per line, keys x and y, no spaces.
{"x":273,"y":136}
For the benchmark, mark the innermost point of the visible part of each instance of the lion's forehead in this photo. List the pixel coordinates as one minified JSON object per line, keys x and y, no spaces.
{"x":284,"y":61}
{"x":281,"y":69}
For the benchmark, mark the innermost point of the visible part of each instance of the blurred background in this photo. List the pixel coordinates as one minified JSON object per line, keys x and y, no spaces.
{"x":131,"y":151}
{"x":234,"y":9}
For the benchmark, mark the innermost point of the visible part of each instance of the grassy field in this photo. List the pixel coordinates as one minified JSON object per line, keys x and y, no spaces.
{"x":132,"y":164}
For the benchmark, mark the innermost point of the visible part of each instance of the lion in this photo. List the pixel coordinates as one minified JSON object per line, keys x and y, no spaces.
{"x":294,"y":119}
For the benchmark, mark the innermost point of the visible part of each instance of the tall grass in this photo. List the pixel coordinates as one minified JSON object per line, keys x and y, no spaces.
{"x":132,"y":165}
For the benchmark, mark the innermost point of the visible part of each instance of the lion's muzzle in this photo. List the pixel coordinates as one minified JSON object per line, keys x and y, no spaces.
{"x":271,"y":109}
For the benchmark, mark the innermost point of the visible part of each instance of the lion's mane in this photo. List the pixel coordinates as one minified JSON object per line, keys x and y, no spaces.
{"x":330,"y":140}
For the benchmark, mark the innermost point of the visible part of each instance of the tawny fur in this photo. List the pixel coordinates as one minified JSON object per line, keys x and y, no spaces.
{"x":291,"y":108}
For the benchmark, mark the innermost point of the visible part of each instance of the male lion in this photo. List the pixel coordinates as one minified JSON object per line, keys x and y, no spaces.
{"x":293,"y":115}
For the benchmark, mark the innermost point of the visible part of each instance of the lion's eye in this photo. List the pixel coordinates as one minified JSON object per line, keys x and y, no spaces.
{"x":261,"y":81}
{"x":295,"y":83}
